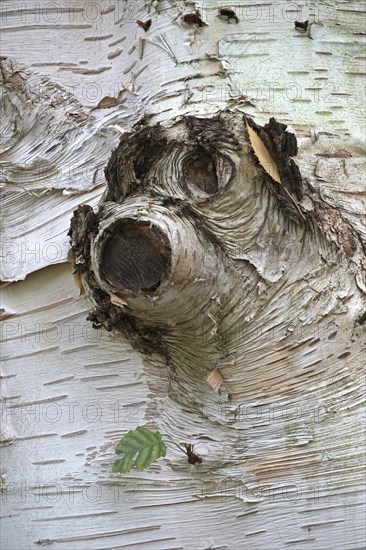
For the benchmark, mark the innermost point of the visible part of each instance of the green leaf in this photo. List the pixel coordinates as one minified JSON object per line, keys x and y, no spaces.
{"x":140,"y":448}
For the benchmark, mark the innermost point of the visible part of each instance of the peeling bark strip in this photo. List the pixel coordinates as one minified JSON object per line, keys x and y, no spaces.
{"x":187,"y":205}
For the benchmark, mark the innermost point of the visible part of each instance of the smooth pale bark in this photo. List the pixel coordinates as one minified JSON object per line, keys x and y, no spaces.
{"x":283,"y":441}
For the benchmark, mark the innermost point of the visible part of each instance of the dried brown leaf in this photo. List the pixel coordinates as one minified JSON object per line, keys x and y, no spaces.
{"x":263,"y":155}
{"x":215,"y":380}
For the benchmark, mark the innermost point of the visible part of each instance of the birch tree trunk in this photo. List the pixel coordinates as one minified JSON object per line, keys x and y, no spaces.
{"x":242,"y":328}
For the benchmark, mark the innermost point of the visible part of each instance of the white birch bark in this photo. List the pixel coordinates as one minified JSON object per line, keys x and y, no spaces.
{"x":282,"y":442}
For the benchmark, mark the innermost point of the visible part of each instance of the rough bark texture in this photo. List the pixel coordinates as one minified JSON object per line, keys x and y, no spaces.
{"x":246,"y":337}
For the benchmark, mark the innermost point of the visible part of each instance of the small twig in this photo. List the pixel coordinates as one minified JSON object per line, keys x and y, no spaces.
{"x":193,"y":458}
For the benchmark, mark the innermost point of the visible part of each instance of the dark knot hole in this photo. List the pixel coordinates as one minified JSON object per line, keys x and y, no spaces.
{"x":199,"y":171}
{"x":135,"y":257}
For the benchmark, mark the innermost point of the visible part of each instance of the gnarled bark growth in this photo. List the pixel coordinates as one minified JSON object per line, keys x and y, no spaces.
{"x":177,"y":252}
